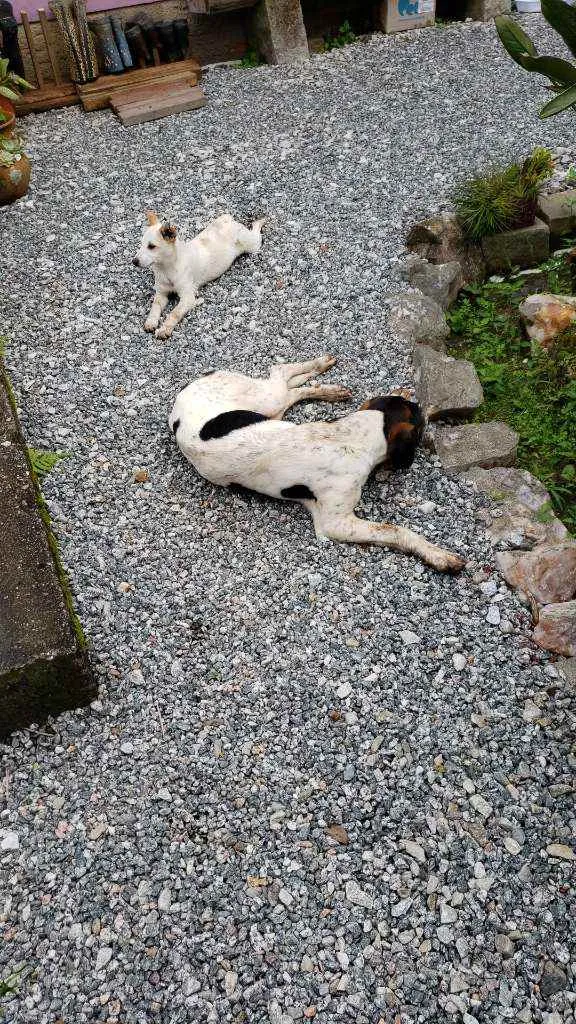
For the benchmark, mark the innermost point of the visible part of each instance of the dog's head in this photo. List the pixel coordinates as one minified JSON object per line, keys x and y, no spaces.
{"x":157,"y":245}
{"x":404,"y":424}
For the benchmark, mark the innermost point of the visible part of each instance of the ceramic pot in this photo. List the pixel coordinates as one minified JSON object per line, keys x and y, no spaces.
{"x":14,"y":180}
{"x":7,"y":108}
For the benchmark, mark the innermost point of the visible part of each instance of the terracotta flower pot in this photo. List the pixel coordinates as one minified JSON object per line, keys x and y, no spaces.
{"x":14,"y":180}
{"x":7,"y":108}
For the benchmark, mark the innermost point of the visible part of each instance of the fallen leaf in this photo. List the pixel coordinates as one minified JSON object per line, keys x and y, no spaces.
{"x":257,"y":881}
{"x":124,"y":588}
{"x":338,"y":833}
{"x":310,"y":1012}
{"x":140,"y":476}
{"x":335,"y":715}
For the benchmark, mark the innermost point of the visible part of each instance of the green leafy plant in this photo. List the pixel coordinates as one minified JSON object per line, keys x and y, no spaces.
{"x":252,"y":59}
{"x":10,"y":986}
{"x":561,"y":73}
{"x":43,"y":461}
{"x":11,"y":149}
{"x":503,"y":199}
{"x":532,"y":389}
{"x":343,"y":37}
{"x":11,"y":85}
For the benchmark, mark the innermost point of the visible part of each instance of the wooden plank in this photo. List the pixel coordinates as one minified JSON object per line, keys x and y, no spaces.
{"x":51,"y":56}
{"x":137,"y":93}
{"x":137,"y":113}
{"x":51,"y":97}
{"x":33,"y":55}
{"x":96,"y":95}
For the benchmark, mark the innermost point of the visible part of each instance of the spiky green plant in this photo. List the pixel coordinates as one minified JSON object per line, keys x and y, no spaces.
{"x":503,"y":199}
{"x":561,"y":73}
{"x":43,"y":461}
{"x":11,"y":85}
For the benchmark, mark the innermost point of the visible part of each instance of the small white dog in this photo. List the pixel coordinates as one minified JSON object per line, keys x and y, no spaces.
{"x":184,"y":267}
{"x":230,"y":428}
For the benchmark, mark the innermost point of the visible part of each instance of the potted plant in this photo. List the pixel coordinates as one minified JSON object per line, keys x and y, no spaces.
{"x":498,"y":210}
{"x":11,"y":86}
{"x":14,"y":168}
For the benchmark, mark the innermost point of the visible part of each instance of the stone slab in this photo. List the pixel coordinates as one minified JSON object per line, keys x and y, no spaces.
{"x":567,"y":666}
{"x":44,"y":667}
{"x":418,"y":319}
{"x":559,"y":211}
{"x":440,"y":281}
{"x":485,"y":10}
{"x":446,"y":388}
{"x":475,"y":444}
{"x":280,"y":32}
{"x":524,"y":247}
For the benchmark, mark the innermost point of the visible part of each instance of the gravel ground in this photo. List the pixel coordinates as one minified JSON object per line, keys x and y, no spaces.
{"x":319,"y":780}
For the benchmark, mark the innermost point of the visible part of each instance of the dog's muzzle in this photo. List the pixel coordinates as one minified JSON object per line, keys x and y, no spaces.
{"x":136,"y":261}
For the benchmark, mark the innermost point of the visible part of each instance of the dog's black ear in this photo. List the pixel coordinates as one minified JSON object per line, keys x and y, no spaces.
{"x":168,"y":232}
{"x":403,"y":428}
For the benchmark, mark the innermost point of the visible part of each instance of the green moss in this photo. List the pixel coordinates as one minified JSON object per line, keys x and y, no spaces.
{"x":45,"y":516}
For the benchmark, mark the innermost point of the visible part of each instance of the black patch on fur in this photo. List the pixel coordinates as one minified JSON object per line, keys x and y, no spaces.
{"x":403,"y":428}
{"x":298,"y":491}
{"x":175,"y":426}
{"x":226,"y":422}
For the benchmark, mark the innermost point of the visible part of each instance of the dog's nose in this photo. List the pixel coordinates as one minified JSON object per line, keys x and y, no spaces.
{"x":136,"y":261}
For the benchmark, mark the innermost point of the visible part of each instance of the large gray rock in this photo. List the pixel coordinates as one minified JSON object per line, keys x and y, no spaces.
{"x":440,"y":239}
{"x":475,"y":444}
{"x":524,"y":247}
{"x":44,"y":665}
{"x":446,"y":388}
{"x":280,"y":32}
{"x":418,"y":318}
{"x":523,"y":515}
{"x":440,"y":281}
{"x":559,"y":211}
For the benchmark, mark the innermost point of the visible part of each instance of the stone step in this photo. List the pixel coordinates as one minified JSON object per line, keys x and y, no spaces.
{"x":44,"y":666}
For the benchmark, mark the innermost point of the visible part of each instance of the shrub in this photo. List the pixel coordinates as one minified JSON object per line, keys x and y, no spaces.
{"x":505,"y":198}
{"x":561,"y":73}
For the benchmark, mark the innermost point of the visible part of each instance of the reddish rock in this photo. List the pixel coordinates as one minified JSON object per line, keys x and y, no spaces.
{"x":548,"y":574}
{"x":547,"y":316}
{"x":556,"y":629}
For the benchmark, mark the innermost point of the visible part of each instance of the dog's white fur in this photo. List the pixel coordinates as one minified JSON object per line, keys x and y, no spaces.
{"x":333,"y":460}
{"x":184,"y":267}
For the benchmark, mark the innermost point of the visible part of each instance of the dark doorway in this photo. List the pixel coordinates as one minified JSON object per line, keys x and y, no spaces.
{"x":324,"y":17}
{"x":451,"y":10}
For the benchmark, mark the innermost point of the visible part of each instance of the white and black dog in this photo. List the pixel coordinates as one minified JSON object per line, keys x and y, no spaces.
{"x":183,"y":267}
{"x":230,"y":428}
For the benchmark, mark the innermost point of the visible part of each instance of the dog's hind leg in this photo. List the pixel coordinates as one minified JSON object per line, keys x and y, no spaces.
{"x":320,"y":393}
{"x":295,"y":374}
{"x":344,"y":526}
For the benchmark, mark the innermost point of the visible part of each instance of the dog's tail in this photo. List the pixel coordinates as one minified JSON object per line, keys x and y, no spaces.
{"x":257,"y":225}
{"x":404,"y":425}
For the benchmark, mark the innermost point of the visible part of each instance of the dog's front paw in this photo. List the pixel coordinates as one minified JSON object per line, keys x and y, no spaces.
{"x":164,"y":332}
{"x":445,"y":561}
{"x":150,"y":325}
